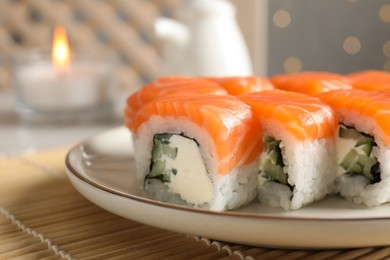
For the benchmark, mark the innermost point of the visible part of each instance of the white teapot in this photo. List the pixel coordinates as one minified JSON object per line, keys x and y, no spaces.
{"x":205,"y":41}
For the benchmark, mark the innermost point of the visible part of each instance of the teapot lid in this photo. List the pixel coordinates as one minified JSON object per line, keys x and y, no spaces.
{"x":197,"y":8}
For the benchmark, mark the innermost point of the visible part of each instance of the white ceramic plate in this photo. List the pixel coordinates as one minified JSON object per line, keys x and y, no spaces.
{"x":102,"y":169}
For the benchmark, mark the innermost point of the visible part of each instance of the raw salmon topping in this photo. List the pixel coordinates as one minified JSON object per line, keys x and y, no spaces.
{"x":370,"y":80}
{"x":310,"y":82}
{"x":373,"y":105}
{"x":303,"y":116}
{"x":235,"y":131}
{"x":242,"y":85}
{"x":175,"y":85}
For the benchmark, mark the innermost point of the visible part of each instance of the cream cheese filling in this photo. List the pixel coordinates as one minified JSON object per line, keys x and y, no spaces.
{"x":191,"y":180}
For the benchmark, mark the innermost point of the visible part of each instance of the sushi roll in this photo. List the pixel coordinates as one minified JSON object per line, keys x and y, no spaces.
{"x":363,"y":145}
{"x":297,"y":166}
{"x":310,"y":82}
{"x":243,"y":85}
{"x":171,"y":85}
{"x":199,"y":150}
{"x":370,"y":80}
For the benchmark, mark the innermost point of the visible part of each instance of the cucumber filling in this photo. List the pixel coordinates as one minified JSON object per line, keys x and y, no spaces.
{"x":176,"y":161}
{"x":162,"y":148}
{"x":272,"y":163}
{"x":356,"y":156}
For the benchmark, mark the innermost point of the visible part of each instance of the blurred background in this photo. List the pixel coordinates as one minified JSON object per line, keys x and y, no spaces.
{"x":278,"y":36}
{"x":122,"y":26}
{"x":333,"y":35}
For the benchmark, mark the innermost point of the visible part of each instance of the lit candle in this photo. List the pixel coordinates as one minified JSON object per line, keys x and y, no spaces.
{"x":64,"y":83}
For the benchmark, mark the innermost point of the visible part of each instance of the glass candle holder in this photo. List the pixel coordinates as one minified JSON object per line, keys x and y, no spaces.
{"x":85,"y":90}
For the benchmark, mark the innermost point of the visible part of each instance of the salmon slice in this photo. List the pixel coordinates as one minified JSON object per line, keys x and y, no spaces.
{"x":303,"y":117}
{"x":243,"y":85}
{"x":370,"y":80}
{"x":174,"y":85}
{"x":310,"y":82}
{"x":364,"y":105}
{"x":230,"y":123}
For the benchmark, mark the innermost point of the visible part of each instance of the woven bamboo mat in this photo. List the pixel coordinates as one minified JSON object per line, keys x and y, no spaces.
{"x":43,"y":217}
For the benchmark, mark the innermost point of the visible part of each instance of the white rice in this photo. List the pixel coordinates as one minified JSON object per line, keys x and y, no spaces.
{"x":230,"y":191}
{"x":357,"y":188}
{"x":311,"y":172}
{"x":311,"y":169}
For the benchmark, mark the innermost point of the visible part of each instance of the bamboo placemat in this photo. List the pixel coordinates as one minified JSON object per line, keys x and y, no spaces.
{"x":43,"y":217}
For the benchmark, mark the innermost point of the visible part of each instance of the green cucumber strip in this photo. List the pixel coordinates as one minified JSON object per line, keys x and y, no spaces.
{"x":356,"y":163}
{"x":274,"y":156}
{"x":274,"y":172}
{"x":273,"y":166}
{"x":163,"y":138}
{"x":161,"y":147}
{"x":162,"y":177}
{"x":367,"y":168}
{"x":349,"y":159}
{"x":353,"y":163}
{"x":162,"y":150}
{"x":347,"y":132}
{"x":366,"y":148}
{"x":355,"y":169}
{"x":156,"y":152}
{"x":362,"y":140}
{"x":158,"y":168}
{"x":272,"y":148}
{"x":169,"y":151}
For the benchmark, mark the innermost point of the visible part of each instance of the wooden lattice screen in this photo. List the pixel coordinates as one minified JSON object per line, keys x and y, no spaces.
{"x":123,"y":26}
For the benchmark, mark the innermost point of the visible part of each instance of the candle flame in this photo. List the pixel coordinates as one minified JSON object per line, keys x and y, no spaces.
{"x":60,"y":49}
